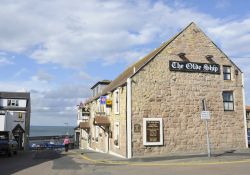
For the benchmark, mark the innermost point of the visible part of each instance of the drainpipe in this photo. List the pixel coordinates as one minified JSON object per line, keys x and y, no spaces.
{"x":244,"y":109}
{"x":129,"y":128}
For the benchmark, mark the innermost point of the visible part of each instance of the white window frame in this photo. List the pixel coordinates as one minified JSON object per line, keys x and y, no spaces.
{"x":228,"y":102}
{"x":98,"y":105}
{"x":92,"y":110}
{"x":227,"y":72}
{"x":117,"y":101}
{"x":13,"y":102}
{"x":117,"y":133}
{"x":145,"y":132}
{"x":97,"y":131}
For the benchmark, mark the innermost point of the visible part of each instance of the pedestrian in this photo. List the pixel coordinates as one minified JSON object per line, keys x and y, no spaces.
{"x":66,"y":143}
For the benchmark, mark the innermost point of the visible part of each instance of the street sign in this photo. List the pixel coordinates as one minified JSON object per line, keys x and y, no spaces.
{"x":103,"y":100}
{"x":205,"y":115}
{"x":108,"y":102}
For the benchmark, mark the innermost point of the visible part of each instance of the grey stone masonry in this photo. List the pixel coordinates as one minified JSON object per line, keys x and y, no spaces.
{"x":176,"y":97}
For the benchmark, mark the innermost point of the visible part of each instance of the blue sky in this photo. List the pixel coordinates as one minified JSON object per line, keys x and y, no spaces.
{"x":58,"y":49}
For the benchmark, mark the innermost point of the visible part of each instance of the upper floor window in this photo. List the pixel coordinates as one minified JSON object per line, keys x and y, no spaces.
{"x":248,"y":115}
{"x":227,"y":72}
{"x":228,"y":100}
{"x":116,"y":101}
{"x":12,"y":102}
{"x":98,"y":106}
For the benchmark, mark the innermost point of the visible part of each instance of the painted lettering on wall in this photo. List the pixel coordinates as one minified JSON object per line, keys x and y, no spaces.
{"x":194,"y":67}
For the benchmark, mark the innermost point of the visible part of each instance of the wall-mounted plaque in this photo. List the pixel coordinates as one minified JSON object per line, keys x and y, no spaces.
{"x":194,"y":67}
{"x":152,"y":131}
{"x":137,"y":128}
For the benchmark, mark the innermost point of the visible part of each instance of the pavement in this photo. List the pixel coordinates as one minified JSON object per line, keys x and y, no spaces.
{"x":226,"y":157}
{"x":79,"y":162}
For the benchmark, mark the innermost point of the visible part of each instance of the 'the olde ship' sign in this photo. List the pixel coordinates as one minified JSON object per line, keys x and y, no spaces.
{"x":194,"y":67}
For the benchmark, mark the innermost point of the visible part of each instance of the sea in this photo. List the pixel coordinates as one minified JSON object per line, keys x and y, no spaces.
{"x":51,"y":130}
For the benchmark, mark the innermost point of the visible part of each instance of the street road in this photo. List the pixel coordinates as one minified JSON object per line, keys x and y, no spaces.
{"x":52,"y":162}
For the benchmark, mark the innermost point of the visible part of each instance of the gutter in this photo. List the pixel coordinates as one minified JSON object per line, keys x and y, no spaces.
{"x":244,"y":109}
{"x":129,"y":119}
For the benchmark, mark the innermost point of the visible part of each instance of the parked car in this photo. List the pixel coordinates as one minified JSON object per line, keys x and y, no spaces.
{"x":7,"y":146}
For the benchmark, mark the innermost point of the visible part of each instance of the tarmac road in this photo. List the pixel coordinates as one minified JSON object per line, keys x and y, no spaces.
{"x":74,"y":163}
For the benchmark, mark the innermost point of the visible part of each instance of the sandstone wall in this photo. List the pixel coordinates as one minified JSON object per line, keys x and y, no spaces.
{"x":176,"y":97}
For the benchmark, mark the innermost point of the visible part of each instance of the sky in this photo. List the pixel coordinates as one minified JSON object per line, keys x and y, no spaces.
{"x":57,"y":50}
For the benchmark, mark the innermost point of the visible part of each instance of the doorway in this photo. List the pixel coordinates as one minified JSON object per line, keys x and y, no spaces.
{"x":18,"y":133}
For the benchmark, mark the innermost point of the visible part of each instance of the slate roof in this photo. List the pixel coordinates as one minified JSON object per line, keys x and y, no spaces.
{"x":15,"y":95}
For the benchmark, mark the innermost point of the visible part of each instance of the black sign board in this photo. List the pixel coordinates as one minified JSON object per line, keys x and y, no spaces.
{"x":85,"y":112}
{"x":153,"y":131}
{"x":194,"y":67}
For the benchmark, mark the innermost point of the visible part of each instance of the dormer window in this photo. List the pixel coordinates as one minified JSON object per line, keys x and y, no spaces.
{"x":12,"y":102}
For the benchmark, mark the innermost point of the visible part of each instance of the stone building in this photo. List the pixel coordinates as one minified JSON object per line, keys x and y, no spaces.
{"x":15,"y":108}
{"x":248,"y":117}
{"x":154,"y":107}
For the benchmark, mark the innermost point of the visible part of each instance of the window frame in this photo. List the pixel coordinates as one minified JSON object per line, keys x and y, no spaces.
{"x":12,"y":102}
{"x":117,"y":101}
{"x":228,"y":101}
{"x":97,"y":131}
{"x":225,"y":73}
{"x":117,"y":133}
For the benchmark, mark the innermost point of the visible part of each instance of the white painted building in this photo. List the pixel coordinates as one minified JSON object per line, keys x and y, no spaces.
{"x":15,"y":116}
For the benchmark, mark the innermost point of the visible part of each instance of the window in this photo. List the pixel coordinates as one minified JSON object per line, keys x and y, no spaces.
{"x":228,"y":101}
{"x":98,"y":105}
{"x":116,"y":134}
{"x":152,"y":131}
{"x":227,"y":72}
{"x":12,"y":102}
{"x":96,"y":133}
{"x":117,"y":101}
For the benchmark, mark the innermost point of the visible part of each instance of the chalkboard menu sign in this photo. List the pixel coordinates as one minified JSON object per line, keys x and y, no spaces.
{"x":153,"y":131}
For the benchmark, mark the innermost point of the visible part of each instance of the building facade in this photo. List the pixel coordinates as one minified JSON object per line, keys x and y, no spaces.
{"x":154,"y":107}
{"x":248,"y":118}
{"x":15,"y":111}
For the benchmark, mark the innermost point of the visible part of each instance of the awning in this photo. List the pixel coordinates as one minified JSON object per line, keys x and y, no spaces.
{"x":84,"y":125}
{"x":101,"y":121}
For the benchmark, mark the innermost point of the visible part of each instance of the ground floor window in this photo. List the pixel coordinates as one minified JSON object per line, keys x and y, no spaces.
{"x":116,"y":134}
{"x":96,"y":133}
{"x":152,"y":131}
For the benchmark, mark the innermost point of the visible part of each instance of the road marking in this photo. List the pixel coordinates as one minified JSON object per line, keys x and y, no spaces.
{"x":162,"y":164}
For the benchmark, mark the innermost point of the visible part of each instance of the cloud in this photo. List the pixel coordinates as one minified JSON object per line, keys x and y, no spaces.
{"x":5,"y":61}
{"x":222,"y":4}
{"x":58,"y":104}
{"x":21,"y":72}
{"x":74,"y":33}
{"x":42,"y":76}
